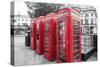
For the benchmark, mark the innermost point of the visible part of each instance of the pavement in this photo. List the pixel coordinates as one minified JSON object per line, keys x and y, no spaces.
{"x":26,"y":56}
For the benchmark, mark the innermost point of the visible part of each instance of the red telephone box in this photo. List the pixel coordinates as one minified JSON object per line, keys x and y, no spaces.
{"x":40,"y":35}
{"x":68,"y":33}
{"x":33,"y":34}
{"x":50,"y":37}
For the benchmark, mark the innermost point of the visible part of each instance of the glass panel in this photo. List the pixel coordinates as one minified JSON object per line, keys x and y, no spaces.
{"x":47,"y":39}
{"x":76,"y":30}
{"x":62,"y":39}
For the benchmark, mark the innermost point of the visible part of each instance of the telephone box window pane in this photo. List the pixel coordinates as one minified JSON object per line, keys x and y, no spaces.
{"x":76,"y":30}
{"x":62,"y":39}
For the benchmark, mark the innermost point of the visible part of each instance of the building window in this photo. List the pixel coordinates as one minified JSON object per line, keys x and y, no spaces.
{"x":86,"y":19}
{"x":91,"y":20}
{"x":81,"y":21}
{"x":18,"y":19}
{"x":22,"y":19}
{"x":26,"y":20}
{"x":91,"y":14}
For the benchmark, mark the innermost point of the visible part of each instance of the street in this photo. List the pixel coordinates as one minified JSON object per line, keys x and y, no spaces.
{"x":26,"y":56}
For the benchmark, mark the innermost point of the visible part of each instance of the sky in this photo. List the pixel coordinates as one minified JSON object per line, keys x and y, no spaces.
{"x":20,"y":7}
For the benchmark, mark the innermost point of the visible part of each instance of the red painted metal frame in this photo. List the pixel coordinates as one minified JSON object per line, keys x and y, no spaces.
{"x":40,"y":35}
{"x":32,"y":32}
{"x":50,"y":45}
{"x":69,"y":39}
